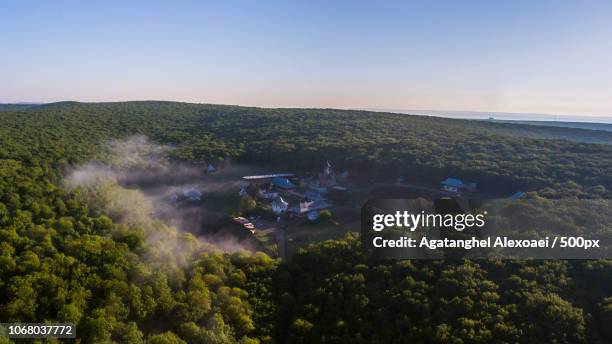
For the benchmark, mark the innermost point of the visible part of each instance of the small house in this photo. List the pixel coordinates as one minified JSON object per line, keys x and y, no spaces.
{"x":282,"y":183}
{"x":327,"y":169}
{"x":328,"y":177}
{"x":302,"y":208}
{"x":267,"y":195}
{"x":452,"y":185}
{"x":305,"y":207}
{"x":241,"y":220}
{"x":193,"y":194}
{"x":516,"y":196}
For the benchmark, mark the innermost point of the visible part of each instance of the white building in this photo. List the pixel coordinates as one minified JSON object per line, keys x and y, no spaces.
{"x":327,"y":169}
{"x":328,"y":177}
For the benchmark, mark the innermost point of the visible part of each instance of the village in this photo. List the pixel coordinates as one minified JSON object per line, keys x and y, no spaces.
{"x":289,"y":196}
{"x":288,"y":202}
{"x":280,"y":212}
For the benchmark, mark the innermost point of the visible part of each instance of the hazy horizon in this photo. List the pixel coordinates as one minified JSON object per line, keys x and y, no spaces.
{"x":457,"y":114}
{"x":544,"y":57}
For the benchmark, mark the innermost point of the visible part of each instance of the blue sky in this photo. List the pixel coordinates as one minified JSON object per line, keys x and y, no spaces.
{"x":512,"y":56}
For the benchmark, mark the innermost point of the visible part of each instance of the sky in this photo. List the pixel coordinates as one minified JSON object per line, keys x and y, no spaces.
{"x":506,"y":56}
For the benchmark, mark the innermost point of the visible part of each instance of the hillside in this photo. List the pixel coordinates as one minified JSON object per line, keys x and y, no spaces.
{"x":69,"y":254}
{"x":420,"y":148}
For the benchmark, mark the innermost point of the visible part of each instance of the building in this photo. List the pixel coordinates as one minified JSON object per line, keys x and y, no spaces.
{"x":282,"y":183}
{"x":266,"y":177}
{"x":516,"y":196}
{"x":313,"y":215}
{"x":267,"y":195}
{"x":452,"y":185}
{"x":302,"y":208}
{"x":279,"y":206}
{"x":246,"y":224}
{"x":327,"y":169}
{"x":192,"y":194}
{"x":210,"y":168}
{"x":305,"y":207}
{"x":327,"y":178}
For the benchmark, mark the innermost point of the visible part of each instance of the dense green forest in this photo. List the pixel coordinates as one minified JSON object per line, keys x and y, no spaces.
{"x":385,"y":145}
{"x":63,"y":259}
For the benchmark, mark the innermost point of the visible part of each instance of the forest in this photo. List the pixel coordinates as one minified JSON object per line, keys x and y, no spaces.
{"x":63,"y":259}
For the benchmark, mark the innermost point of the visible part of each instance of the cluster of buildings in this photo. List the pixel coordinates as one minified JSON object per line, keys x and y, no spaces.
{"x":288,"y":195}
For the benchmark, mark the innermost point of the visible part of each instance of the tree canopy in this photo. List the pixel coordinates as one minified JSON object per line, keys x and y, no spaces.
{"x":63,"y":259}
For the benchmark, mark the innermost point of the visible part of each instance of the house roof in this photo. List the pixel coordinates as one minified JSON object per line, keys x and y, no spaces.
{"x":268,"y":176}
{"x":313,"y":215}
{"x":282,"y":182}
{"x":517,"y":195}
{"x":192,"y":193}
{"x":304,"y":207}
{"x":452,"y":182}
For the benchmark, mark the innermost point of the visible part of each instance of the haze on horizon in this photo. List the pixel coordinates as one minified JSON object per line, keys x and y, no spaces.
{"x":493,"y":56}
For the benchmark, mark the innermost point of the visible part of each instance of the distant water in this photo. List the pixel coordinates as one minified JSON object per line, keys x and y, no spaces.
{"x":579,"y":125}
{"x":567,"y":121}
